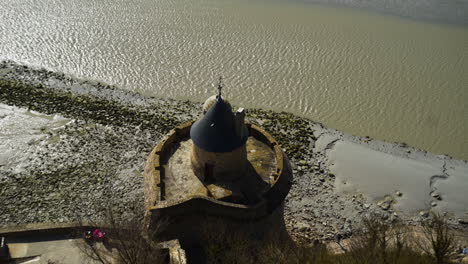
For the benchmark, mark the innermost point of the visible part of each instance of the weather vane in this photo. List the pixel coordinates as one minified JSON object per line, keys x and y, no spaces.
{"x":220,"y":86}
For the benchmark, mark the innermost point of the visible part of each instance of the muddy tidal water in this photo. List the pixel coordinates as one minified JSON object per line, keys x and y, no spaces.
{"x":397,"y":75}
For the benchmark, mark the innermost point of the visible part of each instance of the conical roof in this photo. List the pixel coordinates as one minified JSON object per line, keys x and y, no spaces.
{"x":216,"y":130}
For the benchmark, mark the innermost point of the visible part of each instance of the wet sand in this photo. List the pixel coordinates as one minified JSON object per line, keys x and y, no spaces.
{"x":396,"y":176}
{"x":83,"y":143}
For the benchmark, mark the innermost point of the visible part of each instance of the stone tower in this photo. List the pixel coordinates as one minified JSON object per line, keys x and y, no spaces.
{"x":219,"y":143}
{"x":216,"y":168}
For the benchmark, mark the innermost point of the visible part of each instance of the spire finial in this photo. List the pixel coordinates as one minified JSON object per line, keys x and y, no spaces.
{"x":220,"y":86}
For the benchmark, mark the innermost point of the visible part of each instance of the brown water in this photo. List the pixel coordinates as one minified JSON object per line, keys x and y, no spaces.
{"x":360,"y":72}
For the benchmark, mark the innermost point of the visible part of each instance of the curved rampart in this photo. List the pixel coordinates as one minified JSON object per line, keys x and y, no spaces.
{"x":156,"y":204}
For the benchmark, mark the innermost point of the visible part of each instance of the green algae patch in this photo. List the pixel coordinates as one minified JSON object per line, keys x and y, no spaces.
{"x":107,"y":112}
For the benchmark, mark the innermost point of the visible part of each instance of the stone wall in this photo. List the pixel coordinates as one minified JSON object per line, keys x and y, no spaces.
{"x":158,"y":207}
{"x":227,"y":166}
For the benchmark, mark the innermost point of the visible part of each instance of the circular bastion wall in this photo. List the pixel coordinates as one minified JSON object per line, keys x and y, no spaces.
{"x":158,"y":206}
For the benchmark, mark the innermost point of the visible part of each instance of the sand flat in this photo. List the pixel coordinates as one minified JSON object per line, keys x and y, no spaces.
{"x":377,"y":174}
{"x":454,"y":189}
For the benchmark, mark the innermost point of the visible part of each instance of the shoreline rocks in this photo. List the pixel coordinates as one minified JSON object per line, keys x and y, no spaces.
{"x":99,"y":156}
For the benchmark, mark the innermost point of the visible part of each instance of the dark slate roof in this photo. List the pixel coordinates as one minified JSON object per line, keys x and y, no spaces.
{"x":215,"y":131}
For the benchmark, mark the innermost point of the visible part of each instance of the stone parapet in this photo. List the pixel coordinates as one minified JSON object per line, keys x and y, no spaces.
{"x":156,"y":204}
